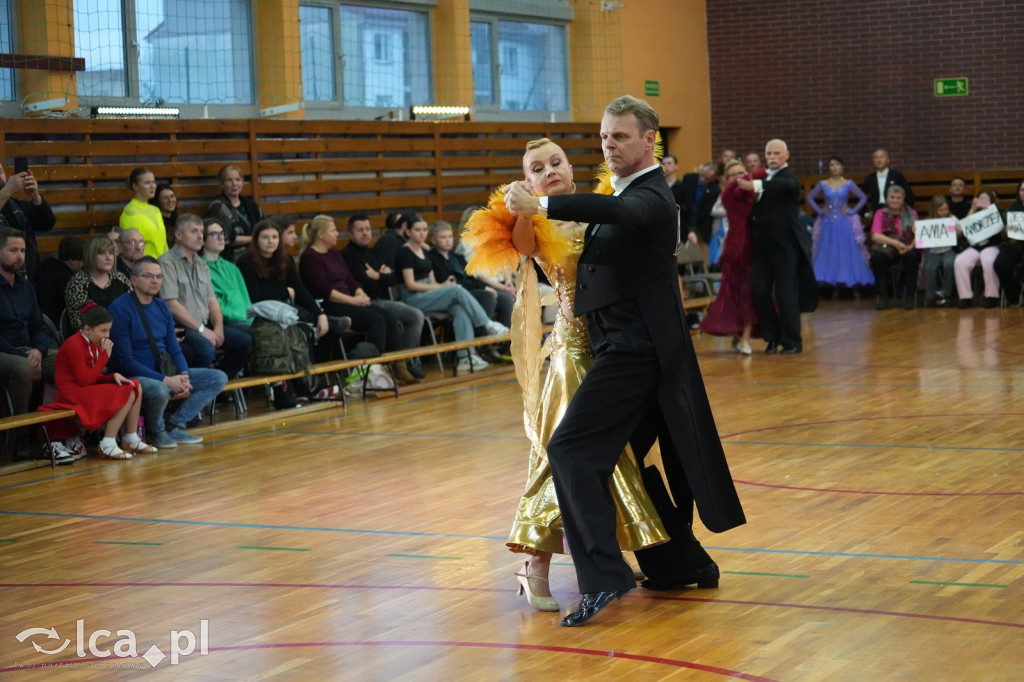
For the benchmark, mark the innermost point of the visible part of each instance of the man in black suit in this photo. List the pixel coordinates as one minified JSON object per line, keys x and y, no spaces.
{"x":877,"y":184}
{"x":696,"y":194}
{"x":782,"y":275}
{"x":644,"y":382}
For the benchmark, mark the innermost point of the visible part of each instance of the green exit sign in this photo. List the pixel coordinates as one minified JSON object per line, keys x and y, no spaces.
{"x":950,"y":87}
{"x":652,"y":88}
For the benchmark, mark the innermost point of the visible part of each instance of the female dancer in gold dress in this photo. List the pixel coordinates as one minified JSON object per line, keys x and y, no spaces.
{"x":499,"y":238}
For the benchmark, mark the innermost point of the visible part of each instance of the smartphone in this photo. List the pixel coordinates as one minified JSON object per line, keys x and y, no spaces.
{"x":20,"y":164}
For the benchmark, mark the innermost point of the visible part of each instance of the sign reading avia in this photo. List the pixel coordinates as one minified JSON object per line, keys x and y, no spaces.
{"x":950,"y":87}
{"x":652,"y":88}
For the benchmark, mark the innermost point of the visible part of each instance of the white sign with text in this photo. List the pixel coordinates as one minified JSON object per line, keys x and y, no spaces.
{"x":982,"y":225}
{"x":934,"y":233}
{"x":1015,"y":225}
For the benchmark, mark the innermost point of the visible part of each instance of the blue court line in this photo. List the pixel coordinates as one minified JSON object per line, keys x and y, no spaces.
{"x":366,"y":531}
{"x":726,"y":441}
{"x":283,"y":429}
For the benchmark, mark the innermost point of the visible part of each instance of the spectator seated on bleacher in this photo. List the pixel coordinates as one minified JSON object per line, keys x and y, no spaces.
{"x":31,"y":216}
{"x":984,"y":252}
{"x":140,"y":215}
{"x":938,"y":263}
{"x":131,"y":246}
{"x":54,"y":274}
{"x":145,"y":349}
{"x":228,"y":285}
{"x":270,"y":275}
{"x":1011,"y":255}
{"x":236,"y":213}
{"x":496,"y":298}
{"x":107,"y":401}
{"x":892,"y":239}
{"x":959,"y":203}
{"x":421,"y":290}
{"x":326,"y":274}
{"x":396,"y":233}
{"x":167,"y":201}
{"x":98,"y":281}
{"x":27,"y":351}
{"x":376,"y":278}
{"x":188,"y":291}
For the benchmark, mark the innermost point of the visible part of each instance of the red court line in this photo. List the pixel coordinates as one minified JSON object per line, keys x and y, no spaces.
{"x":851,"y":420}
{"x":434,"y":588}
{"x":483,"y":645}
{"x":875,"y":492}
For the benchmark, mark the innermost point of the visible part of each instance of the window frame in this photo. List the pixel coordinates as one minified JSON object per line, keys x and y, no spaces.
{"x":495,"y":112}
{"x":336,"y":109}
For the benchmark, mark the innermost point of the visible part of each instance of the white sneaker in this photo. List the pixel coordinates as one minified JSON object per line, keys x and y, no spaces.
{"x":61,"y":455}
{"x":495,"y":328}
{"x":76,"y":446}
{"x":473,"y":361}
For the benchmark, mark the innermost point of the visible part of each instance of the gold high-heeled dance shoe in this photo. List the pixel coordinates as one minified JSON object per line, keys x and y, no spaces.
{"x":535,"y":600}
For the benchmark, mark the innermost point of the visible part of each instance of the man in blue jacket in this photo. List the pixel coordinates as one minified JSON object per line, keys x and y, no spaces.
{"x":136,"y":338}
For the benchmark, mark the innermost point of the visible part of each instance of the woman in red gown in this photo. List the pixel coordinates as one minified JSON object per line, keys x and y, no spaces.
{"x":99,"y":400}
{"x":732,"y":312}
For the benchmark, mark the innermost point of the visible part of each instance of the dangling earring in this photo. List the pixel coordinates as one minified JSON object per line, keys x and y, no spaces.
{"x":573,"y":182}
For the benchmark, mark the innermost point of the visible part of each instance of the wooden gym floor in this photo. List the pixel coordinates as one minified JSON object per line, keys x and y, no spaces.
{"x":882,"y":471}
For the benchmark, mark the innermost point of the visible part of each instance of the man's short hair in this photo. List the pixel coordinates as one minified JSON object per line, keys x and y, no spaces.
{"x":670,"y":156}
{"x":137,"y":265}
{"x":70,"y":248}
{"x":357,"y":217}
{"x":10,"y":233}
{"x":186,"y":219}
{"x":645,"y":114}
{"x":960,"y":178}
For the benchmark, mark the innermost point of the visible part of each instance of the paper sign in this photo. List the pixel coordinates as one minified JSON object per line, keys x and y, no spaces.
{"x":1015,"y":224}
{"x":982,"y":225}
{"x":937,"y":232}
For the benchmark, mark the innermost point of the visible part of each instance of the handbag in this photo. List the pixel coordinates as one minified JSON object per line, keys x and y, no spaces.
{"x":164,"y":360}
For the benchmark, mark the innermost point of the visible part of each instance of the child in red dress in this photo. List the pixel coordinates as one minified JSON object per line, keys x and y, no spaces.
{"x":107,"y":400}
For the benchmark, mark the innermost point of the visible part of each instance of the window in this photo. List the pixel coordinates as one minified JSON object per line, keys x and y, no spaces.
{"x":386,"y":57}
{"x":316,"y":34}
{"x":483,"y":65}
{"x":532,"y":65}
{"x":183,"y":52}
{"x":99,"y":39}
{"x":6,"y":75}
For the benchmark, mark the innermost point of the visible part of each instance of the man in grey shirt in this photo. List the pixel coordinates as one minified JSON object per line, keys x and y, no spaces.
{"x":188,"y":291}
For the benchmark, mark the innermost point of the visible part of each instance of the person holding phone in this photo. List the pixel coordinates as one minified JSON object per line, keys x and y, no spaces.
{"x":34,"y":215}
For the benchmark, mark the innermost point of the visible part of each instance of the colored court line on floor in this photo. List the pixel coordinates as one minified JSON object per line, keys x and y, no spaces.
{"x":425,"y":556}
{"x":896,"y":493}
{"x":111,"y":542}
{"x":770,"y":575}
{"x":363,"y":434}
{"x":275,"y":549}
{"x":369,"y":531}
{"x":437,"y":588}
{"x":939,"y":582}
{"x":7,"y":540}
{"x":873,"y":446}
{"x":440,"y":644}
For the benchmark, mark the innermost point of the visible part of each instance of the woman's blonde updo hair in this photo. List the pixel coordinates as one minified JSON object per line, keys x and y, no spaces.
{"x":311,"y":229}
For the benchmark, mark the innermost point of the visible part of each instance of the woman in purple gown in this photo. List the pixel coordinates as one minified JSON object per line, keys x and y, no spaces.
{"x":732,"y":312}
{"x":840,"y":257}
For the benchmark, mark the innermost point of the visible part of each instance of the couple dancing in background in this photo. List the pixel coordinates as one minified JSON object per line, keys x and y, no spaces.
{"x":623,"y":374}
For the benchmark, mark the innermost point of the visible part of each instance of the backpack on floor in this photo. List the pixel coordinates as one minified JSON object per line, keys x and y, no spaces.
{"x":276,"y":349}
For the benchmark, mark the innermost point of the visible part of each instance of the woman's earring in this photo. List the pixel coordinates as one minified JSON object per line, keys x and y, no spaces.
{"x":573,"y":186}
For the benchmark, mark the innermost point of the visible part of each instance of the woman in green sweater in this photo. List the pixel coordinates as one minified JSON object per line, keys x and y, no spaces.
{"x":228,"y":284}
